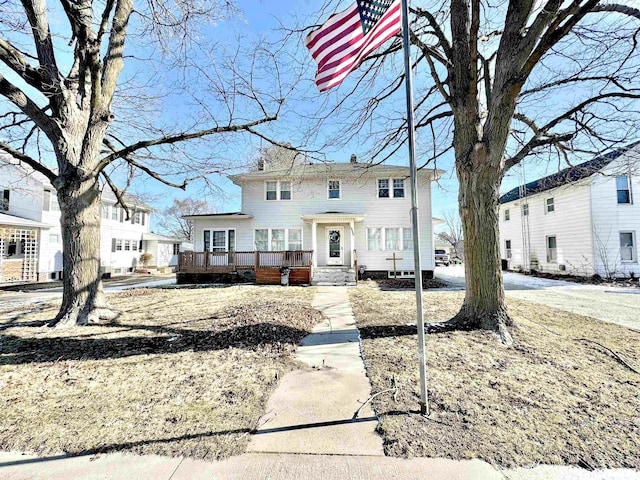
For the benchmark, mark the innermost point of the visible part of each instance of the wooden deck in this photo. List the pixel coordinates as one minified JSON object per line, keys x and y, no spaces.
{"x":266,"y":265}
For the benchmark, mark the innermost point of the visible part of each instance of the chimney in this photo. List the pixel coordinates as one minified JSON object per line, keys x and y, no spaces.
{"x":354,"y":159}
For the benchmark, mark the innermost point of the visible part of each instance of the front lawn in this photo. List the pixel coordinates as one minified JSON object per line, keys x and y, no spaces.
{"x":183,"y":372}
{"x":548,"y":399}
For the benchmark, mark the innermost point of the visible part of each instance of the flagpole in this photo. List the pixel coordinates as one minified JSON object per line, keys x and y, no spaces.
{"x":424,"y":399}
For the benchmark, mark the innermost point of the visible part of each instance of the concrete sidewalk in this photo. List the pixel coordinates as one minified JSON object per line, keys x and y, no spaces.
{"x":307,"y":433}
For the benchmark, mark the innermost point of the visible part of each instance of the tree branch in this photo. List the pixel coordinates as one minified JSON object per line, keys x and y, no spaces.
{"x":13,"y":58}
{"x":34,"y":164}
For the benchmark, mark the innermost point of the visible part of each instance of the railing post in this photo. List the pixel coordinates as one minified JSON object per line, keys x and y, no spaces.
{"x":256,"y":260}
{"x":206,"y":261}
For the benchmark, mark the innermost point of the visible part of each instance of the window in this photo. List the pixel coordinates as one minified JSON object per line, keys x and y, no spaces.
{"x":277,"y":239}
{"x":54,"y":238}
{"x":383,"y":188}
{"x":506,"y":215}
{"x":278,"y":190}
{"x":262,"y":240}
{"x":552,"y":251}
{"x":4,"y":201}
{"x":285,"y":190}
{"x":55,"y":206}
{"x":391,"y":188}
{"x":549,"y":205}
{"x":507,"y":248}
{"x":137,"y":218}
{"x":622,"y":187}
{"x":50,"y":201}
{"x":294,"y":239}
{"x":374,"y":239}
{"x":219,"y":243}
{"x":118,"y":244}
{"x":392,"y":239}
{"x":127,"y":245}
{"x":232,"y":241}
{"x":176,"y":248}
{"x":272,"y":190}
{"x":627,"y":247}
{"x":334,"y":189}
{"x":407,"y":239}
{"x":398,"y":188}
{"x":134,"y":246}
{"x":525,"y":209}
{"x":115,"y":213}
{"x":104,"y":212}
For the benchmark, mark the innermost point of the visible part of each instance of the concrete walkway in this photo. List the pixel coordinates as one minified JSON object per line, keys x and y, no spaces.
{"x":306,"y":434}
{"x":311,"y":410}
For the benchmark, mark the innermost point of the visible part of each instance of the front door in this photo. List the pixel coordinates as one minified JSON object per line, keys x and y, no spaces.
{"x":335,"y":250}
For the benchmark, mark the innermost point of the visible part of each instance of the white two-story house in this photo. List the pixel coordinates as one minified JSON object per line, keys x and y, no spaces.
{"x":30,"y":232}
{"x":342,"y":214}
{"x":583,"y":220}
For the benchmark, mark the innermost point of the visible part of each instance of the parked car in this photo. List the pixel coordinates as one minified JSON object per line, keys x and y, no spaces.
{"x":442,"y":257}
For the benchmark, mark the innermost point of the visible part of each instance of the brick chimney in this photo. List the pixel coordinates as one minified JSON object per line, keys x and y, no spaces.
{"x":354,"y":158}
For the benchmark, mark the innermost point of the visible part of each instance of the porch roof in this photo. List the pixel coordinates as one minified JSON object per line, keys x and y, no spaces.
{"x":14,"y":221}
{"x":333,"y":217}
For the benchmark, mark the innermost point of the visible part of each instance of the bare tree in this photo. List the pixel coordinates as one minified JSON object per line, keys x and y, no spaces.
{"x":453,"y":233}
{"x":498,"y":82}
{"x":60,"y":65}
{"x":171,"y":219}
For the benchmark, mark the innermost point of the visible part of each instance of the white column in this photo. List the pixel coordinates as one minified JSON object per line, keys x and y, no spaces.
{"x":353,"y":239}
{"x":314,"y":242}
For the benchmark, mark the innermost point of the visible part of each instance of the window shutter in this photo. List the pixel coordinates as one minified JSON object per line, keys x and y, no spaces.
{"x":133,"y":216}
{"x":113,"y":244}
{"x":46,"y":201}
{"x":5,"y":200}
{"x":121,"y":214}
{"x":143,"y":215}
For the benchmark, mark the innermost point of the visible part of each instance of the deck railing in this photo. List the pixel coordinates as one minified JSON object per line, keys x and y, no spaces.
{"x":203,"y":262}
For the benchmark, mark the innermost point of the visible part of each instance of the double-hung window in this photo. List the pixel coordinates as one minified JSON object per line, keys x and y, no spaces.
{"x":549,"y":205}
{"x":115,"y":212}
{"x":623,"y":189}
{"x":507,"y":248}
{"x":334,"y":189}
{"x":407,"y":239}
{"x":374,"y":239}
{"x":277,"y":190}
{"x":627,"y":247}
{"x":219,"y":241}
{"x":104,"y":212}
{"x":392,"y":239}
{"x":525,"y":209}
{"x":294,"y":239}
{"x":506,"y":215}
{"x":262,"y":239}
{"x":552,"y":250}
{"x":391,"y":188}
{"x":277,"y":239}
{"x":389,"y":239}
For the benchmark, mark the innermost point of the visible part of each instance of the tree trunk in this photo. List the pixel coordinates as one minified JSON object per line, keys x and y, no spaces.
{"x":484,"y":305}
{"x":83,"y":300}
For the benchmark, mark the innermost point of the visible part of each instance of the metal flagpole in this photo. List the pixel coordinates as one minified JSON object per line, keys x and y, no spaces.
{"x":424,"y":400}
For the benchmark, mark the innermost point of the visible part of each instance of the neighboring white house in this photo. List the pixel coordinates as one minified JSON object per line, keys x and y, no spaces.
{"x":583,"y":220}
{"x":30,"y":232}
{"x":342,"y":212}
{"x":164,"y":250}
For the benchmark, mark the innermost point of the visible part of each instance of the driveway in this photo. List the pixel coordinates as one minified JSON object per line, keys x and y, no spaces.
{"x":610,"y":304}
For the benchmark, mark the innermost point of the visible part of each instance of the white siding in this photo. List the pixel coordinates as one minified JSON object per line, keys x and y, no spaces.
{"x":569,"y":222}
{"x":310,"y":197}
{"x":610,"y":218}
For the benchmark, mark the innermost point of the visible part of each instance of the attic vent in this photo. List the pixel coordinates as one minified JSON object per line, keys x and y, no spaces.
{"x":354,"y":158}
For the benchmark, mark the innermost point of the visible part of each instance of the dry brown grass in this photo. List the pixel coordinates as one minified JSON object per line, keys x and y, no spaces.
{"x":181,"y":372}
{"x":547,"y":399}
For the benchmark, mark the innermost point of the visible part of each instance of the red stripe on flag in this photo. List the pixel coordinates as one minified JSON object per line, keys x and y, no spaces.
{"x":339,"y":47}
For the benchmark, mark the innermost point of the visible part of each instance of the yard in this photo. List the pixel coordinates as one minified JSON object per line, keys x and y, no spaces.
{"x":181,"y":372}
{"x":552,"y":398}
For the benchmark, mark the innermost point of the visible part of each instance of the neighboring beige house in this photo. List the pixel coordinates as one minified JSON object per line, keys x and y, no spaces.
{"x":340,"y":214}
{"x":583,"y":220}
{"x":30,"y":232}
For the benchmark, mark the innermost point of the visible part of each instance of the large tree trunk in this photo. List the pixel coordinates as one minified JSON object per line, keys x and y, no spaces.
{"x":484,"y":305}
{"x":82,"y":301}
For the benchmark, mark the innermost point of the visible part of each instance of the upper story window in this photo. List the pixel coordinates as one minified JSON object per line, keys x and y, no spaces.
{"x":391,"y":188}
{"x":4,"y":201}
{"x":525,"y":209}
{"x":50,"y":201}
{"x":138,"y":218}
{"x":115,"y":213}
{"x":624,"y":189}
{"x":278,"y":190}
{"x":334,"y":189}
{"x":506,"y":215}
{"x":104,"y":212}
{"x":549,"y":205}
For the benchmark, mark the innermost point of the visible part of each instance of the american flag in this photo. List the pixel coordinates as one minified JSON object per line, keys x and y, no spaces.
{"x":345,"y":40}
